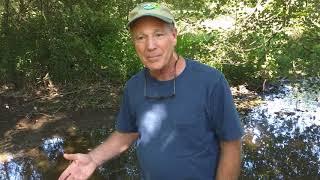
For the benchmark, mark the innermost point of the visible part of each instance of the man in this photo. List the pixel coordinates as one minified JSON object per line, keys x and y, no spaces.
{"x":179,"y":112}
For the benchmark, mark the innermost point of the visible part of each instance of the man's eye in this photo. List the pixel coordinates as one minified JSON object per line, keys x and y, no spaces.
{"x":139,"y":38}
{"x":159,"y":34}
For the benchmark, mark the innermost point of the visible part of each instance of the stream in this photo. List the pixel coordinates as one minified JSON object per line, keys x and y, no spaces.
{"x":281,"y":141}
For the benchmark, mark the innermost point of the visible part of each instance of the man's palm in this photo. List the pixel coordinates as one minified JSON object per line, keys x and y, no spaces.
{"x":82,"y":167}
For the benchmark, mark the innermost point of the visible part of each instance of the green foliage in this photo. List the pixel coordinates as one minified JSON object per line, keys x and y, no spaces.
{"x":269,"y":40}
{"x":197,"y":46}
{"x":85,"y":40}
{"x":66,"y":40}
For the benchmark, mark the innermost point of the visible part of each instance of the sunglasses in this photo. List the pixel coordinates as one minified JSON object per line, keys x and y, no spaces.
{"x":159,"y":97}
{"x":149,"y":95}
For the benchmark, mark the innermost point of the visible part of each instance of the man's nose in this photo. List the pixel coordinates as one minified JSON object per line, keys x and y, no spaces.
{"x":151,"y":43}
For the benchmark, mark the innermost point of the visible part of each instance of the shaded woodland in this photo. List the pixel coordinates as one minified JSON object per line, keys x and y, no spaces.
{"x":68,"y":42}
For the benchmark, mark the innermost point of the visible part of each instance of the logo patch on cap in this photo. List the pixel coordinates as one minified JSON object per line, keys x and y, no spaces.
{"x":150,"y":6}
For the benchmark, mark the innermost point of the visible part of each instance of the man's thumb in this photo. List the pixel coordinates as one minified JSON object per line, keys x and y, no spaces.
{"x":70,"y":157}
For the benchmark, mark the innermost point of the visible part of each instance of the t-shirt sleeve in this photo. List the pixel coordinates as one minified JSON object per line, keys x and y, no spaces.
{"x":224,"y":119}
{"x":126,"y":121}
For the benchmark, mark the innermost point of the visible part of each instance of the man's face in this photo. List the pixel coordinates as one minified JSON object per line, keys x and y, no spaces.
{"x":154,"y":41}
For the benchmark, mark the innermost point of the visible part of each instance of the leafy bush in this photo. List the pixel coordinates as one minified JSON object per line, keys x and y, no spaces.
{"x":87,"y":40}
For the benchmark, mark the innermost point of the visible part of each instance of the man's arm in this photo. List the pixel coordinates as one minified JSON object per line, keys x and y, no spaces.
{"x":116,"y":144}
{"x":229,"y":160}
{"x":83,"y":165}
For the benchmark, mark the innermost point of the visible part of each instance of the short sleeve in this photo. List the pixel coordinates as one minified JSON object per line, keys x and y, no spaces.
{"x":224,"y":119}
{"x":126,"y":121}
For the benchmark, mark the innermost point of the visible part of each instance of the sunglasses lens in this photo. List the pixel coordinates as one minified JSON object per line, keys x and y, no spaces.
{"x":161,"y":90}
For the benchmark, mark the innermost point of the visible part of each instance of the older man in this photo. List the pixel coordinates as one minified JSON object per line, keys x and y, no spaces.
{"x":179,"y":112}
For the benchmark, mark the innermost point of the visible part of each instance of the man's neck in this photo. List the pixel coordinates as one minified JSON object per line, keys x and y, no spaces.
{"x":172,"y":70}
{"x":169,"y":71}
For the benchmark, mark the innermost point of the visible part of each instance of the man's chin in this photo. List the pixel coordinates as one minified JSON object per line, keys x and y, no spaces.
{"x":154,"y":66}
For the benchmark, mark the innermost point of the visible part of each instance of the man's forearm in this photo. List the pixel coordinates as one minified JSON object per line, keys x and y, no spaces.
{"x":229,"y":160}
{"x":115,"y":144}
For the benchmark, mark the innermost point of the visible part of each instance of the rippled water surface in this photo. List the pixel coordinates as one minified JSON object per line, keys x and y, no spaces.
{"x":282,"y":134}
{"x":20,"y":168}
{"x":281,"y":141}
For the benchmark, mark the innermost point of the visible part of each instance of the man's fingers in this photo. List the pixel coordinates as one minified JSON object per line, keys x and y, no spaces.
{"x":64,"y":176}
{"x":71,"y":157}
{"x":66,"y":173}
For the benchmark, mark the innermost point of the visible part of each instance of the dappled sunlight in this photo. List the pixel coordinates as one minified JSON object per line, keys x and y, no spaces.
{"x":221,"y":23}
{"x":53,"y":147}
{"x":30,"y":164}
{"x":282,"y":132}
{"x":28,"y":134}
{"x":295,"y":32}
{"x":301,"y":107}
{"x":64,"y":64}
{"x":16,"y":169}
{"x":34,"y":123}
{"x":53,"y":90}
{"x":6,"y":87}
{"x":281,"y":136}
{"x":5,"y":157}
{"x":251,"y":135}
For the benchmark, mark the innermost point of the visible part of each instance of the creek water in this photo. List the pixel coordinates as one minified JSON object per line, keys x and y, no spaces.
{"x":281,"y":141}
{"x":282,"y":138}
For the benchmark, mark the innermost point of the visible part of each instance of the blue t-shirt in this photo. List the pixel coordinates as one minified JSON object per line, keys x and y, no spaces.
{"x":179,"y":135}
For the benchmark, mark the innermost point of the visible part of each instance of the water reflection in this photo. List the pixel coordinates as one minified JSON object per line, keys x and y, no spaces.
{"x":281,"y":141}
{"x":282,"y":135}
{"x":53,"y":147}
{"x":123,"y":168}
{"x":24,"y":168}
{"x":19,"y":169}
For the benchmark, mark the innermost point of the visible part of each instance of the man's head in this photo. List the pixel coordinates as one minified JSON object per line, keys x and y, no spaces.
{"x":154,"y":35}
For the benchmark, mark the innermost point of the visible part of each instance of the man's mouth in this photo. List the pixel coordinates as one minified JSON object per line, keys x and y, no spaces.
{"x":153,"y":58}
{"x":150,"y":57}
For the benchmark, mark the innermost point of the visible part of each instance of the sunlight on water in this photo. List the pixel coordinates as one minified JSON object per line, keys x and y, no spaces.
{"x":53,"y":147}
{"x":291,"y":104}
{"x":282,"y":134}
{"x":23,"y":168}
{"x":281,"y":141}
{"x":18,"y":169}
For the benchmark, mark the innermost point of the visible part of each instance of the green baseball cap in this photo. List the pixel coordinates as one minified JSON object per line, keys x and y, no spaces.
{"x":151,"y":9}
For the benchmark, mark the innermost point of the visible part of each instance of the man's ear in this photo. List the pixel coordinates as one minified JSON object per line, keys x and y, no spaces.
{"x":175,"y":35}
{"x":175,"y":31}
